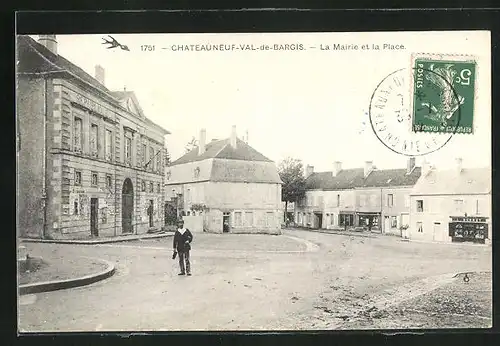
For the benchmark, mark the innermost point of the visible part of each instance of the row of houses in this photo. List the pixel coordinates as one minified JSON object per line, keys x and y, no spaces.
{"x":90,"y":163}
{"x":421,"y":203}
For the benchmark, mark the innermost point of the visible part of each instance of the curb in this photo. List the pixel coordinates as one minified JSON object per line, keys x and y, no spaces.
{"x":55,"y":285}
{"x":361,"y":235}
{"x":96,"y":241}
{"x":406,"y":240}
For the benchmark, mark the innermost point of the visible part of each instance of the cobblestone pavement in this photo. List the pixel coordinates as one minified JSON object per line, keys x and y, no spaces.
{"x":301,"y":280}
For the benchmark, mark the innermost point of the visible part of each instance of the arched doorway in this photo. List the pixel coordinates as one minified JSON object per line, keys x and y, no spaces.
{"x":127,"y":206}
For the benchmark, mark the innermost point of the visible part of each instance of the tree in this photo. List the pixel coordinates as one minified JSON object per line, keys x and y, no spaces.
{"x":191,"y":145}
{"x":294,"y":184}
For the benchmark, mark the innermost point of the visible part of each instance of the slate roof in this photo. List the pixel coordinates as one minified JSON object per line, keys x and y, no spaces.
{"x":241,"y":171}
{"x":354,"y":178}
{"x":222,"y":149}
{"x":469,"y":181}
{"x":36,"y":58}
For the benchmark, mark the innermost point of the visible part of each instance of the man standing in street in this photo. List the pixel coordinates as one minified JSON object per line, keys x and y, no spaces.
{"x":182,"y":241}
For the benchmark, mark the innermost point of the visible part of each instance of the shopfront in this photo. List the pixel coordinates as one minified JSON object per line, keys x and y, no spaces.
{"x":465,"y":228}
{"x":369,"y":221}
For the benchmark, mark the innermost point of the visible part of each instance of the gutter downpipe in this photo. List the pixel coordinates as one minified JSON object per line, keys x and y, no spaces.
{"x":44,"y":160}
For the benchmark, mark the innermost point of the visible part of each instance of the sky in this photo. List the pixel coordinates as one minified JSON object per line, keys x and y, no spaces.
{"x":307,"y":104}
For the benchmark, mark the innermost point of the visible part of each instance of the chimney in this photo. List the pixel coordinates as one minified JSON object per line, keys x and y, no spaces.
{"x":426,"y":168}
{"x":233,"y":137}
{"x":337,"y":167}
{"x":410,"y":165}
{"x":368,"y":168}
{"x":309,"y":170}
{"x":49,"y":41}
{"x":458,"y":162}
{"x":202,"y":141}
{"x":99,"y":74}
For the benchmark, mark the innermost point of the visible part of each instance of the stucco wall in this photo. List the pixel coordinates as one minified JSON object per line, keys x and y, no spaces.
{"x":438,"y":209}
{"x":30,"y":113}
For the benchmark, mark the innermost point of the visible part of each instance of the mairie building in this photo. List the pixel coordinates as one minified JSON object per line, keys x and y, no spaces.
{"x":89,"y":162}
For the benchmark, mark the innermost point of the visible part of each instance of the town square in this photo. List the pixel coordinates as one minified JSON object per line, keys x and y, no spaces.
{"x":222,"y":200}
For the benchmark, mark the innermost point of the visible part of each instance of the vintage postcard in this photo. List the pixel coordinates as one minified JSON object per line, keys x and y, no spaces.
{"x":270,"y":181}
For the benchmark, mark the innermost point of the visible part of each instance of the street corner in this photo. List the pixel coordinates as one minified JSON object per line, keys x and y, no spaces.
{"x":51,"y":274}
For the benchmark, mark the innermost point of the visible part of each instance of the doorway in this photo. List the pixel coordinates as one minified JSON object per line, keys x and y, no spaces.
{"x":319,"y":217}
{"x":436,"y":232}
{"x":150,"y":212}
{"x":225,"y":223}
{"x":127,"y":206}
{"x":387,"y":224}
{"x":94,"y":213}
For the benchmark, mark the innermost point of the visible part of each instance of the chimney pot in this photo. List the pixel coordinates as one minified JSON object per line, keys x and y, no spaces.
{"x":233,"y":137}
{"x":410,"y":165}
{"x":99,"y":74}
{"x":337,"y":167}
{"x":202,"y":141}
{"x":309,"y":170}
{"x":458,"y":161}
{"x":49,"y":42}
{"x":368,"y":168}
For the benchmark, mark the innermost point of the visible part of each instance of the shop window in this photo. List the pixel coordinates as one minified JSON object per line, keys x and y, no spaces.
{"x":420,"y":206}
{"x":346,"y":220}
{"x":419,"y":227}
{"x":78,"y":178}
{"x":390,"y":200}
{"x":394,"y":222}
{"x":94,"y":179}
{"x":77,"y":135}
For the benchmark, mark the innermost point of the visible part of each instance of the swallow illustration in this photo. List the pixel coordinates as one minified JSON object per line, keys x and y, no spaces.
{"x":114,"y":43}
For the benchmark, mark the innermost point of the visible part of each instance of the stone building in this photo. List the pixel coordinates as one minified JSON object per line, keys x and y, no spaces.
{"x":365,"y":197}
{"x":226,"y":186}
{"x":452,"y":205}
{"x":90,"y":163}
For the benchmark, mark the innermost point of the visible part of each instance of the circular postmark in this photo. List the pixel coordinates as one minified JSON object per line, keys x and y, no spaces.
{"x":392,"y":106}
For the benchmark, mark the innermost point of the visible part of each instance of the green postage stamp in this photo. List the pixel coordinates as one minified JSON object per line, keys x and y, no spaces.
{"x":443,"y":94}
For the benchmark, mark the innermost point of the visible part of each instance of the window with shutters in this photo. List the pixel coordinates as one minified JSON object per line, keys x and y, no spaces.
{"x":249,"y":219}
{"x":237,"y":219}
